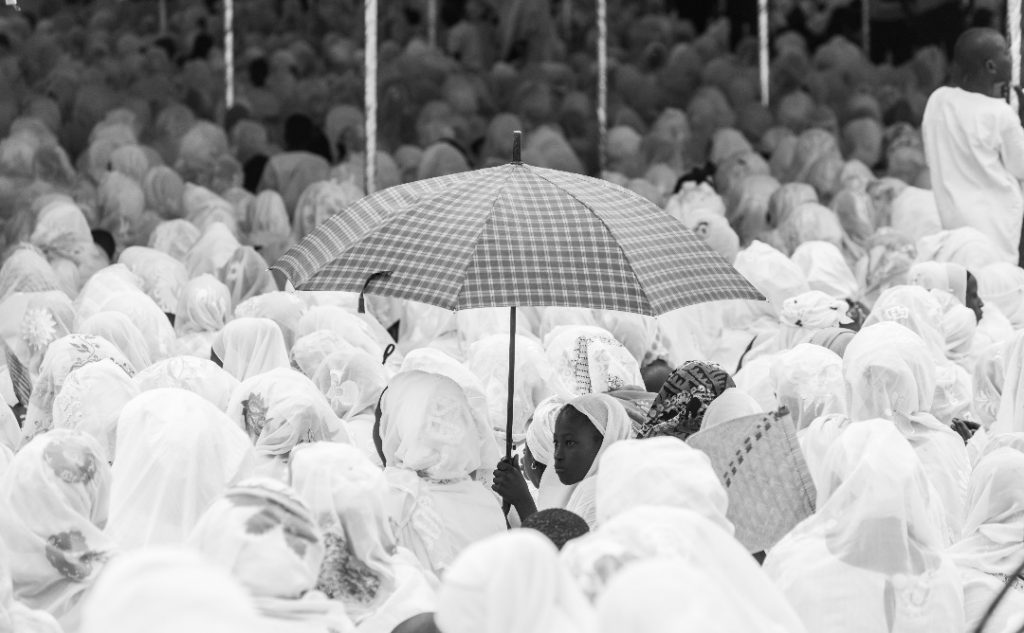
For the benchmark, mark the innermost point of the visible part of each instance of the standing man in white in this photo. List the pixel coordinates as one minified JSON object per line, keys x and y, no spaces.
{"x":974,"y":144}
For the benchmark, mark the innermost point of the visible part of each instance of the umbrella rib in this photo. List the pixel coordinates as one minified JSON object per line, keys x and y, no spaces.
{"x":483,"y":227}
{"x":632,"y":270}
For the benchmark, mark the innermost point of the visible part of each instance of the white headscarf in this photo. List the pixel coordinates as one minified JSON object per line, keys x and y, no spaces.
{"x":63,"y":356}
{"x":645,"y":533}
{"x":585,"y":362}
{"x":488,"y":360}
{"x":250,"y":346}
{"x":163,"y":276}
{"x":279,"y":561}
{"x":816,"y":439}
{"x":379,"y":583}
{"x":659,"y":471}
{"x":91,"y":401}
{"x":213,"y":250}
{"x":120,"y":330}
{"x":667,"y":595}
{"x":175,"y":237}
{"x":198,"y":375}
{"x":915,"y":308}
{"x":940,"y":276}
{"x":966,"y":246}
{"x":176,"y":454}
{"x":801,"y":316}
{"x":1002,"y":285}
{"x":14,"y":616}
{"x":281,"y":409}
{"x":808,"y":381}
{"x":826,"y":269}
{"x":54,"y":499}
{"x":351,"y":327}
{"x":352,"y":382}
{"x":204,"y":307}
{"x":439,"y":451}
{"x":889,"y":375}
{"x":152,"y":322}
{"x":732,"y":404}
{"x":871,"y":557}
{"x":509,"y":583}
{"x":168,"y":590}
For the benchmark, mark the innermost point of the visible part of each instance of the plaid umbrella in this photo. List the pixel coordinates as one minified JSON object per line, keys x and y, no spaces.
{"x":514,"y":235}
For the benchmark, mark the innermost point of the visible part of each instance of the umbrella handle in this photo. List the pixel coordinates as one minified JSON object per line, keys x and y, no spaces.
{"x":511,"y":381}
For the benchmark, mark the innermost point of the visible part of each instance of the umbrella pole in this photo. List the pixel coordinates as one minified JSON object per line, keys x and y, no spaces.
{"x":763,"y":51}
{"x":511,"y":380}
{"x":370,"y":94}
{"x":229,"y":55}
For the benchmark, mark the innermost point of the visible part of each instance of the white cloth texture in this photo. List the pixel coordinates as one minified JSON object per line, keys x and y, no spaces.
{"x":808,"y":381}
{"x":250,"y":346}
{"x":91,"y":400}
{"x":198,"y":375}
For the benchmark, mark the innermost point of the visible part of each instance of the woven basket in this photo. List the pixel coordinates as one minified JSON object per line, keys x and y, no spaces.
{"x":759,"y":462}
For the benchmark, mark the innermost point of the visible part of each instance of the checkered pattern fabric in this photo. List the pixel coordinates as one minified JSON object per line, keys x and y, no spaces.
{"x":514,"y":235}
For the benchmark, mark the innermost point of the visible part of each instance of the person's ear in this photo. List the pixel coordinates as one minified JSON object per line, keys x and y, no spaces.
{"x":990,"y":66}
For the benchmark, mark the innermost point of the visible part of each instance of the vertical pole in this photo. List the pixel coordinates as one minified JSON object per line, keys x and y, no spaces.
{"x":229,"y":53}
{"x":602,"y":83}
{"x":432,"y":23}
{"x":509,"y":408}
{"x":370,"y":96}
{"x":865,"y":30}
{"x":762,"y":39}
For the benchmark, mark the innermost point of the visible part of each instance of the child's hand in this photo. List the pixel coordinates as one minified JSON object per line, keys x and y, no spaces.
{"x":511,"y":485}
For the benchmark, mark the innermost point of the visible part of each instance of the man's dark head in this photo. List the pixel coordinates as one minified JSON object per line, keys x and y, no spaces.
{"x":981,"y":58}
{"x":560,"y":526}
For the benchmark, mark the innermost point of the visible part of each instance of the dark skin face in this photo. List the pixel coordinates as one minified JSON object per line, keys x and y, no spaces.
{"x":974,"y":301}
{"x":577,"y":442}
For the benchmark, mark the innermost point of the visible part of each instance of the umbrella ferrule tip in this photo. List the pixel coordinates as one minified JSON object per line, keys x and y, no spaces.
{"x":517,"y":147}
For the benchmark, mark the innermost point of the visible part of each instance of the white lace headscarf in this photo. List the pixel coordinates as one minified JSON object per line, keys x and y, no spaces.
{"x":250,"y":346}
{"x":91,"y":401}
{"x":198,"y":375}
{"x":808,"y":381}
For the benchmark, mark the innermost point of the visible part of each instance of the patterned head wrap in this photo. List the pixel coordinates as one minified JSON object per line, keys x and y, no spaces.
{"x":680,"y":405}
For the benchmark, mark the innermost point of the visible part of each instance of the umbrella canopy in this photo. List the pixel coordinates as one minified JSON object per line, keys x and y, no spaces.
{"x":514,"y":235}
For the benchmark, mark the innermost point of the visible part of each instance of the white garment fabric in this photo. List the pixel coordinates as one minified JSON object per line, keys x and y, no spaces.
{"x":646,"y":533}
{"x":588,"y":360}
{"x":14,"y":616}
{"x":488,"y":360}
{"x":91,"y":400}
{"x":152,"y":322}
{"x":198,"y":375}
{"x":731,"y":404}
{"x":889,"y":375}
{"x":177,"y":454}
{"x":1010,"y":417}
{"x":975,"y":150}
{"x":946,"y":276}
{"x":119,"y":329}
{"x":169,"y":590}
{"x":991,"y":548}
{"x":915,"y":213}
{"x":436,"y":447}
{"x":659,"y":471}
{"x":266,"y":537}
{"x":380,"y":583}
{"x":816,"y":439}
{"x":808,"y":381}
{"x":353,"y":382}
{"x":826,"y":269}
{"x":870,"y":559}
{"x":508,"y":583}
{"x":250,"y":346}
{"x":163,"y":277}
{"x":310,"y":350}
{"x":279,"y":410}
{"x":1002,"y":285}
{"x":53,"y":507}
{"x":203,"y":308}
{"x":646,"y":597}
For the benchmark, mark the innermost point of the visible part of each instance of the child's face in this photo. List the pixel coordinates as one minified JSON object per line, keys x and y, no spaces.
{"x":577,"y":442}
{"x":974,"y":301}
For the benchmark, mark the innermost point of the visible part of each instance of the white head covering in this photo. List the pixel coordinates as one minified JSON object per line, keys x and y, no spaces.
{"x":995,"y":515}
{"x":816,"y":439}
{"x":585,"y":362}
{"x":915,"y":213}
{"x":644,"y":533}
{"x":250,"y":346}
{"x":772,"y":273}
{"x":488,"y":360}
{"x":63,"y":356}
{"x":364,"y":568}
{"x":176,"y":454}
{"x":283,"y":308}
{"x":966,"y":246}
{"x":1002,"y":285}
{"x":212,"y":251}
{"x":871,"y":556}
{"x":119,"y":329}
{"x":198,"y":375}
{"x":659,"y":471}
{"x":352,"y":382}
{"x":175,"y":237}
{"x":1010,"y":416}
{"x":91,"y":401}
{"x":152,"y":322}
{"x":350,"y":327}
{"x":801,"y":316}
{"x":280,"y":409}
{"x":277,"y":563}
{"x":916,"y":309}
{"x":732,"y":404}
{"x":959,"y":325}
{"x":204,"y":306}
{"x":509,"y":583}
{"x":53,"y":507}
{"x":163,"y":276}
{"x":826,"y":269}
{"x":168,"y":590}
{"x":940,"y":276}
{"x":808,"y":381}
{"x":15,"y":616}
{"x":663,"y":596}
{"x":988,"y":383}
